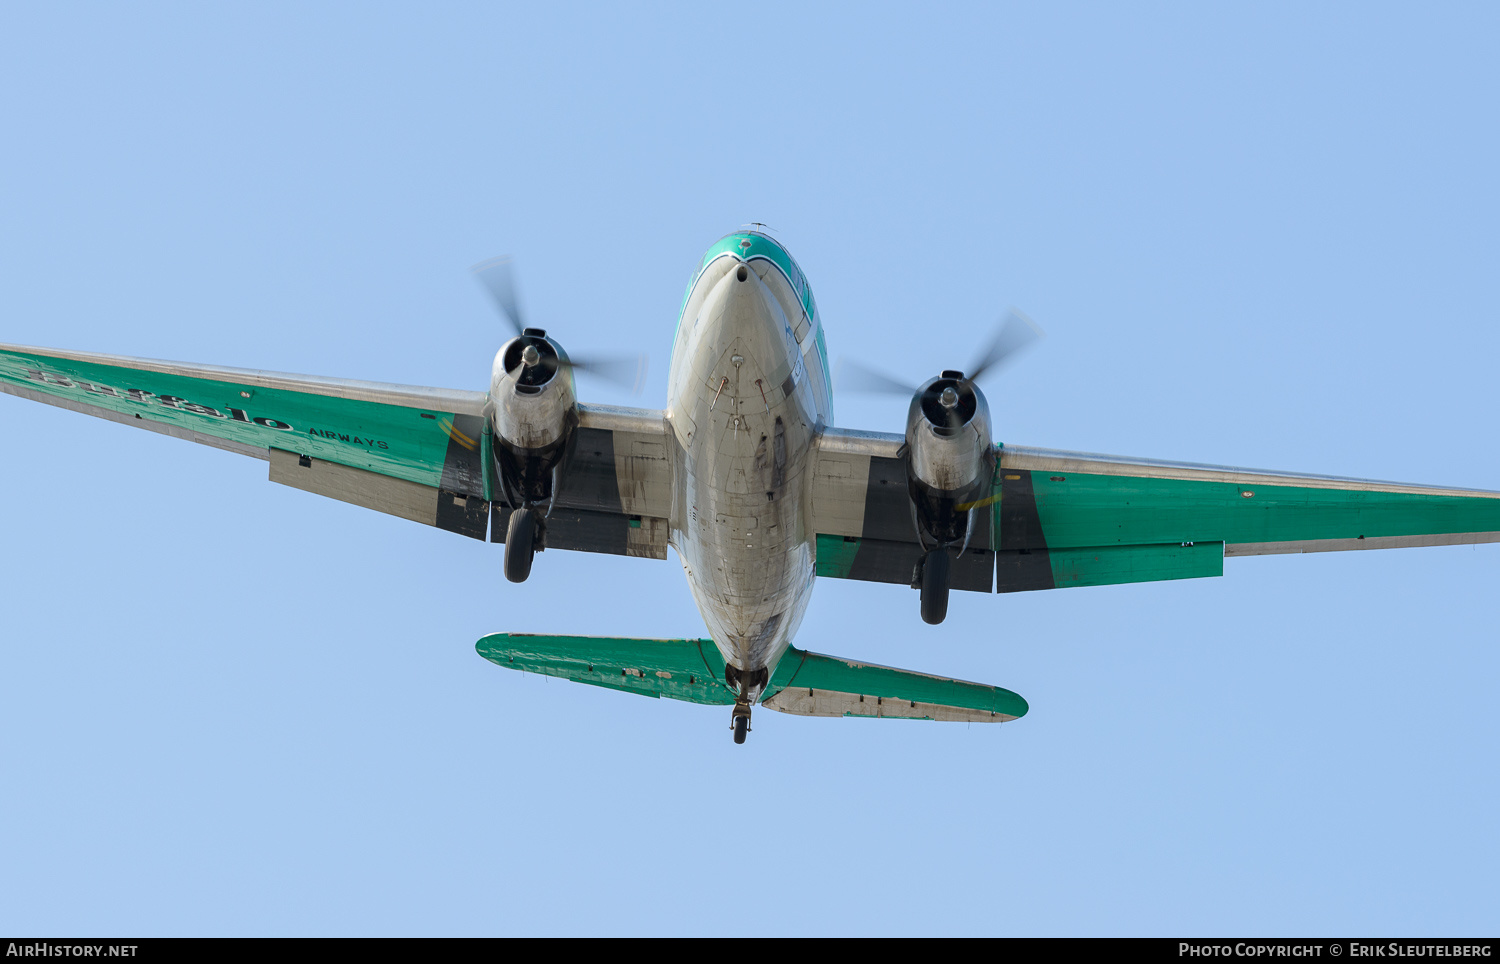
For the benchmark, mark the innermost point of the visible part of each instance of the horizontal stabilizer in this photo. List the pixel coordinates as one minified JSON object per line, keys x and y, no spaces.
{"x":809,"y":684}
{"x":680,"y":669}
{"x":805,"y":684}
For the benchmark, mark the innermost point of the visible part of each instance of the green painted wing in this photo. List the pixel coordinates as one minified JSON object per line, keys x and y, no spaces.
{"x":805,"y":684}
{"x":417,"y":453}
{"x":1056,"y":519}
{"x":395,"y":431}
{"x":1070,"y":519}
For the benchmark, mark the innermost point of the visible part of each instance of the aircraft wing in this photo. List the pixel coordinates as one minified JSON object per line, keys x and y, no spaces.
{"x":1057,"y":519}
{"x":1074,"y":518}
{"x":417,"y":453}
{"x":863,"y":519}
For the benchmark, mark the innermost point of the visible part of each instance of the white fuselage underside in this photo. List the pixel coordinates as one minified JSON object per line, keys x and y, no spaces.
{"x":745,"y":418}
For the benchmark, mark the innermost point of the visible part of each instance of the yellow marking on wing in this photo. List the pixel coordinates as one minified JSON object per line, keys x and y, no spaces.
{"x":988,"y":500}
{"x":449,"y":430}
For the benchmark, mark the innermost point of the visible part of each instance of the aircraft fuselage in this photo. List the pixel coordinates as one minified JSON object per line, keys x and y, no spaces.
{"x":748,"y":393}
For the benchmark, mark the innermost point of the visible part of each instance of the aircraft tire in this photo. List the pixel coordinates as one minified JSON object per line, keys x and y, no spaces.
{"x":520,"y":544}
{"x":935,"y":587}
{"x":741,"y":727}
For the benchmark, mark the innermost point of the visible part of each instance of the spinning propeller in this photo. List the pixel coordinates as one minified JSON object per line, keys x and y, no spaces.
{"x":945,"y":399}
{"x":498,"y":277}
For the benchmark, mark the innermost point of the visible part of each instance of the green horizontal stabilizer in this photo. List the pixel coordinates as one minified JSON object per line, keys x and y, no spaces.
{"x":680,"y":669}
{"x":810,"y":684}
{"x":805,"y":684}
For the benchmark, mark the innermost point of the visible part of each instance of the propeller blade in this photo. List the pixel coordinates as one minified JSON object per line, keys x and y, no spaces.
{"x":499,"y":280}
{"x":629,"y":372}
{"x":854,"y":377}
{"x":498,"y":277}
{"x":1016,"y":333}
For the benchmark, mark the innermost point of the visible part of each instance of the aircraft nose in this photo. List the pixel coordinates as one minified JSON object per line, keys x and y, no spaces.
{"x":740,"y":336}
{"x":752,"y":313}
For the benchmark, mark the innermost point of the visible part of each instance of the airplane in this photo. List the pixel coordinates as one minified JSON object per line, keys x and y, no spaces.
{"x":746,"y":476}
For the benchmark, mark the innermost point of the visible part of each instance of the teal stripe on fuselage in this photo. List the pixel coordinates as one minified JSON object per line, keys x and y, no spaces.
{"x":748,"y":246}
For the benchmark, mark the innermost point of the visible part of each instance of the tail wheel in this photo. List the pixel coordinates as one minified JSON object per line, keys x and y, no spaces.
{"x":935,"y":587}
{"x":740,"y":721}
{"x":520,"y":544}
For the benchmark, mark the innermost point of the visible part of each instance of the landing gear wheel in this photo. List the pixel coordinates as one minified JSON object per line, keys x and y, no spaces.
{"x":741,"y":722}
{"x":520,"y":544}
{"x":935,"y":587}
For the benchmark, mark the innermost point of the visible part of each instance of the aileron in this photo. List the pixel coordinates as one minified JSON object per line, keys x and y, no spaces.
{"x":1056,"y":461}
{"x":126,"y":418}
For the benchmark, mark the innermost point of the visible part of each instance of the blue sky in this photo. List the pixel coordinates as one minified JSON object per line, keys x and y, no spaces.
{"x":1259,"y":236}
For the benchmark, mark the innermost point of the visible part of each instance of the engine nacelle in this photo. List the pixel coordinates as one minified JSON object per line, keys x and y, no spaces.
{"x":533,"y":412}
{"x":950,"y":460}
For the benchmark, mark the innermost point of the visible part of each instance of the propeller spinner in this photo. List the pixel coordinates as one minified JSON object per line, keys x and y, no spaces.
{"x":497,"y":275}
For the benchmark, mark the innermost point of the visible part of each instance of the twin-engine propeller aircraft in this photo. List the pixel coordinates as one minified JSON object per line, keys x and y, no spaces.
{"x":745,"y":475}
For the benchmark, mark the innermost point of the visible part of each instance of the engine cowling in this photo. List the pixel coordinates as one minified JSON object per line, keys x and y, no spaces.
{"x":950,"y":459}
{"x":533,"y":412}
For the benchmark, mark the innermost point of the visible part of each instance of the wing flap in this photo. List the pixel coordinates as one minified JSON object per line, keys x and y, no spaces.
{"x":451,"y":511}
{"x":881,"y":560}
{"x":1022,"y":570}
{"x":588,"y":530}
